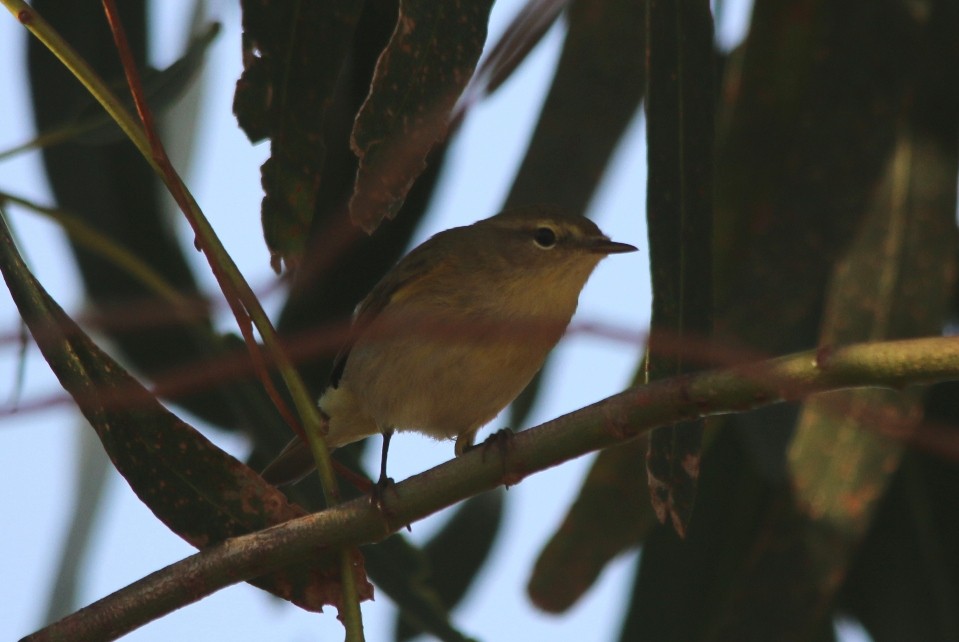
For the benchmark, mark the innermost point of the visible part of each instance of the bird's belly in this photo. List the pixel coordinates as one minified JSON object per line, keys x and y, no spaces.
{"x":440,"y":387}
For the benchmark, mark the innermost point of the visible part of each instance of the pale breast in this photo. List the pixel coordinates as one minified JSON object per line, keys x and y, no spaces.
{"x":445,"y":376}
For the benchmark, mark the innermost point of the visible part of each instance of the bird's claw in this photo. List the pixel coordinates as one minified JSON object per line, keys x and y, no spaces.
{"x":378,"y":494}
{"x":501,"y":440}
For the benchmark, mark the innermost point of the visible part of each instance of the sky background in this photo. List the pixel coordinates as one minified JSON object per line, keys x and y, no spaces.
{"x":39,"y":449}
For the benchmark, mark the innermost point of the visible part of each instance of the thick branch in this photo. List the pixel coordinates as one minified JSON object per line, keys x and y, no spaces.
{"x":615,"y":419}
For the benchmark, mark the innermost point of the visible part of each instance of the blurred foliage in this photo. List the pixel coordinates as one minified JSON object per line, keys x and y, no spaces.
{"x":680,"y":117}
{"x":814,"y":109}
{"x":193,"y":487}
{"x":830,"y":136}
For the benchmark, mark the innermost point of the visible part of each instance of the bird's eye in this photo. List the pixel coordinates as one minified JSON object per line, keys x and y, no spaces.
{"x":545,"y":237}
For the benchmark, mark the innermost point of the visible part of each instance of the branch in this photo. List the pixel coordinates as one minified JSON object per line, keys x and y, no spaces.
{"x":893,"y":364}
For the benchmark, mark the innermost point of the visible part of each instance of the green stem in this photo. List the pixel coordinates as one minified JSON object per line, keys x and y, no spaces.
{"x":350,"y":611}
{"x":105,"y":247}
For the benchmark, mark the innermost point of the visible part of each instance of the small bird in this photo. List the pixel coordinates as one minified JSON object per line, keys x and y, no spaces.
{"x":455,"y":331}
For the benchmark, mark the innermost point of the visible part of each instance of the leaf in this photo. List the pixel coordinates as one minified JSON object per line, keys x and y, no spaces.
{"x":570,"y":148}
{"x":161,"y":88}
{"x":418,"y":78}
{"x":103,"y":186}
{"x":399,"y":574}
{"x":340,"y":268}
{"x":453,"y":559}
{"x":197,"y":490}
{"x":293,"y":53}
{"x":682,"y":587}
{"x":90,"y":125}
{"x":343,"y":264}
{"x":680,"y":117}
{"x":891,"y":285}
{"x":88,"y":493}
{"x":903,"y":582}
{"x":529,"y":26}
{"x":811,"y":106}
{"x":611,"y":514}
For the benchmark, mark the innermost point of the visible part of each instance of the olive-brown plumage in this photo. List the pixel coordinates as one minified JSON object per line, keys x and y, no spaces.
{"x":433,"y":352}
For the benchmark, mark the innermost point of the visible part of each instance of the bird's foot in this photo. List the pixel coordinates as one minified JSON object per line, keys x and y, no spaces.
{"x":378,"y":493}
{"x":501,"y":440}
{"x":383,"y":486}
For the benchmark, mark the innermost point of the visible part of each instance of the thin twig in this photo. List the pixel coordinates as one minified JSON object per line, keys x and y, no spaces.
{"x":242,"y":310}
{"x":179,"y":193}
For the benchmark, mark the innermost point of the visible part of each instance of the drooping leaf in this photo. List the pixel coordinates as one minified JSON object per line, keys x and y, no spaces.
{"x":342,"y":263}
{"x":418,"y":78}
{"x":453,"y":558}
{"x":903,"y":582}
{"x":293,"y":53}
{"x":523,"y":34}
{"x":340,"y":267}
{"x":811,"y":106}
{"x":90,"y":478}
{"x":904,"y":578}
{"x":680,"y":125}
{"x":894,"y":283}
{"x":682,"y":585}
{"x":161,"y":88}
{"x":611,"y":514}
{"x":401,"y":571}
{"x":91,"y":125}
{"x":592,"y":70}
{"x":197,"y":490}
{"x":112,"y":190}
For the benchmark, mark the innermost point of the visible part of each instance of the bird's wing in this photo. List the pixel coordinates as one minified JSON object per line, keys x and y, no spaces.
{"x":408,"y":277}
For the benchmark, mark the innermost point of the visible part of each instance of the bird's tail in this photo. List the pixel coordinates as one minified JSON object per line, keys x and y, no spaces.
{"x":346,"y":424}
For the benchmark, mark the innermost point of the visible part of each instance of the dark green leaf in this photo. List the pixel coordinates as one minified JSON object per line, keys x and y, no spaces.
{"x":418,"y":78}
{"x":592,"y":70}
{"x":197,"y":490}
{"x":680,"y":117}
{"x":112,"y":189}
{"x":813,"y":103}
{"x":904,"y":579}
{"x":894,"y":283}
{"x":340,"y":268}
{"x":293,"y":53}
{"x":523,"y":34}
{"x":682,"y":587}
{"x":400,"y":573}
{"x":611,"y":514}
{"x":161,"y":88}
{"x":89,"y":478}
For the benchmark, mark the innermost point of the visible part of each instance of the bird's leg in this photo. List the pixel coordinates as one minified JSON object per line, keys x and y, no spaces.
{"x":383,"y":482}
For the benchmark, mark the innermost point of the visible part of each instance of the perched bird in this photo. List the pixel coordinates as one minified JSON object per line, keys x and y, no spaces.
{"x":455,"y":331}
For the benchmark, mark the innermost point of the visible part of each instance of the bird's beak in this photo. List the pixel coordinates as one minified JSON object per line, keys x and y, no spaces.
{"x":606,"y":246}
